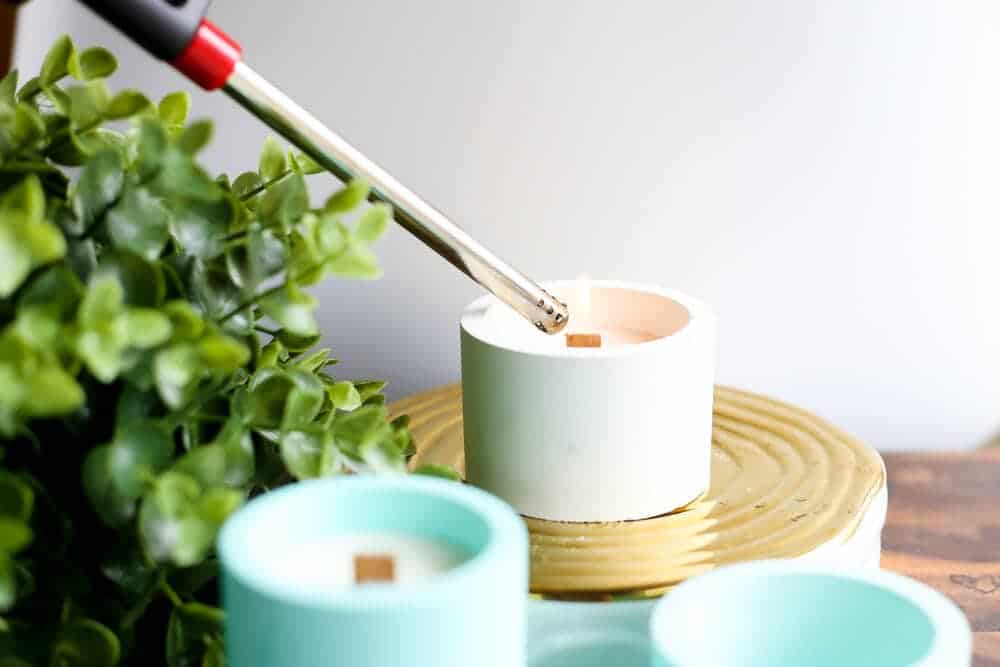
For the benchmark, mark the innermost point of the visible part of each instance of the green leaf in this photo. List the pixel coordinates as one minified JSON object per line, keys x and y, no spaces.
{"x":187,"y":324}
{"x":57,"y":289}
{"x":29,"y":126}
{"x":139,"y":223}
{"x":87,"y":103}
{"x":205,"y":464}
{"x":302,"y":452}
{"x":369,"y":388}
{"x":92,"y":63}
{"x":344,"y":396}
{"x":174,"y":107}
{"x":354,"y":431}
{"x":437,"y":470}
{"x":142,"y":281}
{"x":51,"y":392}
{"x":267,"y":392}
{"x":111,"y":506}
{"x":215,"y":506}
{"x":167,"y":525}
{"x":192,"y":631}
{"x":8,"y":587}
{"x":272,"y":160}
{"x":195,"y":136}
{"x":247,"y":183}
{"x":101,"y":303}
{"x":383,"y":455}
{"x":285,"y":203}
{"x":212,"y":289}
{"x":8,"y":87}
{"x":237,"y":445}
{"x":271,"y":354}
{"x":102,"y":354}
{"x":58,"y":98}
{"x":261,"y":256}
{"x":30,"y":88}
{"x":99,"y":186}
{"x":140,"y":450}
{"x":16,"y":498}
{"x":222,"y":353}
{"x":308,"y":165}
{"x":200,"y":226}
{"x":295,"y":342}
{"x":85,"y":643}
{"x":178,"y":522}
{"x":356,"y":261}
{"x":125,"y":104}
{"x":126,"y":567}
{"x":15,"y":262}
{"x":180,"y":178}
{"x":292,"y":308}
{"x":135,"y":404}
{"x":348,"y":198}
{"x":54,"y":67}
{"x":314,"y":362}
{"x":14,"y":535}
{"x":27,"y":240}
{"x":373,"y":223}
{"x":151,"y":147}
{"x":37,"y":327}
{"x":27,"y":198}
{"x":143,"y":327}
{"x":304,"y":400}
{"x":174,"y":369}
{"x":215,"y":655}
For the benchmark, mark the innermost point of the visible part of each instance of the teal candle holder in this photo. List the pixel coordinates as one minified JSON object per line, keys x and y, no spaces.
{"x":471,"y":614}
{"x":784,"y":614}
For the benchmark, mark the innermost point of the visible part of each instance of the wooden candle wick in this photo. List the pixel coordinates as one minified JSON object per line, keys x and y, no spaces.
{"x":374,"y":567}
{"x":583,"y":340}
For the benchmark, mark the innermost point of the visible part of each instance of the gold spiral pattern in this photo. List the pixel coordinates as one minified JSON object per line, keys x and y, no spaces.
{"x":784,"y":482}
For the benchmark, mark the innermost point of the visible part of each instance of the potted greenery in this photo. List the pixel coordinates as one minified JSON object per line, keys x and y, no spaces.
{"x":154,"y":363}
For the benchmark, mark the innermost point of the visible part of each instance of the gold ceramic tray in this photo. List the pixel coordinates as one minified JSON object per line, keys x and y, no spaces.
{"x":784,"y":482}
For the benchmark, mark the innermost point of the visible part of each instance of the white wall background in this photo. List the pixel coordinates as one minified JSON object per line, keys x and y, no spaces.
{"x":825,"y":174}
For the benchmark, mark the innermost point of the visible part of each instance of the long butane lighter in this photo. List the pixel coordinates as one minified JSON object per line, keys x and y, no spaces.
{"x":178,"y":32}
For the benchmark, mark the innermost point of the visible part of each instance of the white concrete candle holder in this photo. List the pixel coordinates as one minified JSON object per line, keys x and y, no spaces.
{"x":618,"y":432}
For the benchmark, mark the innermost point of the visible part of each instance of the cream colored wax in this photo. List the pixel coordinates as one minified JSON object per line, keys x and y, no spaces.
{"x":328,"y":563}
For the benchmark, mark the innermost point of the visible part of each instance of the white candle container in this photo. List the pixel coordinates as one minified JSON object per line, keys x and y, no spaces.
{"x":591,"y":434}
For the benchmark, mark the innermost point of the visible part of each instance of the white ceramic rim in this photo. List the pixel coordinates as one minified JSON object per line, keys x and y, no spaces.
{"x":698,"y":315}
{"x":952,"y":633}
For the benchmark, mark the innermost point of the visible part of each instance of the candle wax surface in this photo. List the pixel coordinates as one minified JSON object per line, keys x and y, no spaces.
{"x":623,"y":324}
{"x":328,"y":563}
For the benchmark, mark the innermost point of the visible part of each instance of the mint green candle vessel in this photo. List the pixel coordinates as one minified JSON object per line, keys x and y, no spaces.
{"x":279,"y":615}
{"x":784,"y":614}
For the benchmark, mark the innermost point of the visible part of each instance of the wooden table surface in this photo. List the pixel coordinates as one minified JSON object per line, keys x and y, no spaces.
{"x":944,"y":529}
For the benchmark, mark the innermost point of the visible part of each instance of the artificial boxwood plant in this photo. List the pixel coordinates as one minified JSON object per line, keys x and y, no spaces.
{"x":155,"y":363}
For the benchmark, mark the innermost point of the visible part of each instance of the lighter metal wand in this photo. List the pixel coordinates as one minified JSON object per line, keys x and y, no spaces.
{"x":176,"y":31}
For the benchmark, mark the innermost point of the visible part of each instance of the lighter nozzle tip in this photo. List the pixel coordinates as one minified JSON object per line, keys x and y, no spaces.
{"x":553,"y":316}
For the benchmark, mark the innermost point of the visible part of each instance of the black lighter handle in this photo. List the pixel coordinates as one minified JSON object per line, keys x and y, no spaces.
{"x":162,"y":27}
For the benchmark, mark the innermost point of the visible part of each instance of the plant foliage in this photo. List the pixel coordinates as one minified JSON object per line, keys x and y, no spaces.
{"x":155,"y":363}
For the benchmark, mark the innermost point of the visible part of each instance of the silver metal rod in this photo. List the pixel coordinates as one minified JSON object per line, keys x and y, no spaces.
{"x":421,"y":219}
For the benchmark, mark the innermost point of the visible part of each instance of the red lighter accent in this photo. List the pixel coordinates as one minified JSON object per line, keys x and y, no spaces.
{"x":210,"y":57}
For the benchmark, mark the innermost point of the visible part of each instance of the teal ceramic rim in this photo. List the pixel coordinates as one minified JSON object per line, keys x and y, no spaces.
{"x":952,"y":633}
{"x":506,"y":541}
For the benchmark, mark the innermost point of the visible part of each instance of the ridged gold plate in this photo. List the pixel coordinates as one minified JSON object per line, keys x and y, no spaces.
{"x":784,"y":483}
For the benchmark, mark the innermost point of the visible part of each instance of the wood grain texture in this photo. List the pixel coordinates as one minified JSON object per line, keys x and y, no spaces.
{"x":943,"y":528}
{"x":8,"y":23}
